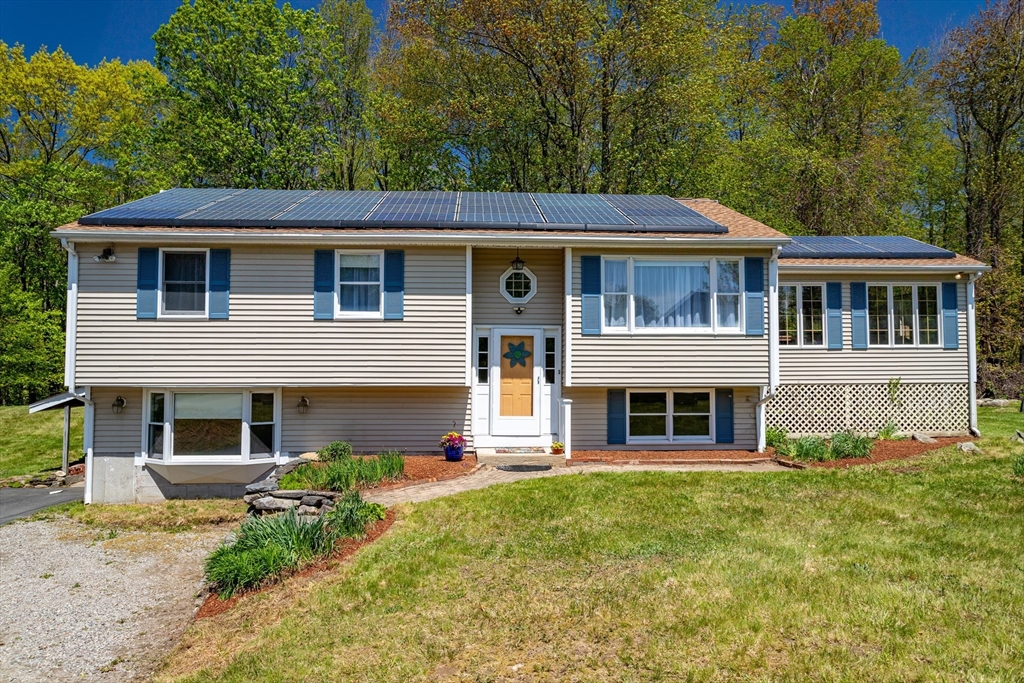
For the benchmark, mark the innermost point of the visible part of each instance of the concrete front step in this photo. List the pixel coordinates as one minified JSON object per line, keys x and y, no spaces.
{"x":488,"y":456}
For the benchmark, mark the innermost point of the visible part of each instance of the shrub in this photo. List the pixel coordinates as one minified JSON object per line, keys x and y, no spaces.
{"x":812,"y":448}
{"x":336,"y":450}
{"x":888,"y":431}
{"x":776,"y":437}
{"x":849,"y":445}
{"x":266,"y":547}
{"x":1018,"y":464}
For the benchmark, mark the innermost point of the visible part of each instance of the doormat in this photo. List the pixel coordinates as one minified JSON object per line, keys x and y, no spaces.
{"x":524,"y":468}
{"x":524,"y":449}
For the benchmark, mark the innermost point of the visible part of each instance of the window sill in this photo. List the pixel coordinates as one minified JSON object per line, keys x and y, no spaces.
{"x":671,"y":332}
{"x":695,"y":441}
{"x":183,"y":316}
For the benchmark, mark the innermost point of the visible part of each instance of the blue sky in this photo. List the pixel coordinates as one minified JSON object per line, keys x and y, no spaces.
{"x":90,"y":30}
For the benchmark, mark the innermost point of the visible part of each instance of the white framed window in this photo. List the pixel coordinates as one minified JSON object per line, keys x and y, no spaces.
{"x":184,"y":277}
{"x":802,"y":315}
{"x":359,"y":289}
{"x":211,"y":425}
{"x":659,"y":295}
{"x":903,"y":314}
{"x":517,"y":286}
{"x":670,"y":416}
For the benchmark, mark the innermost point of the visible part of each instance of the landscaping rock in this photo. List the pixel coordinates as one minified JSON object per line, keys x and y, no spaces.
{"x":271,"y":504}
{"x":923,"y":438}
{"x":968,"y":447}
{"x":309,"y":456}
{"x":286,"y":468}
{"x":280,"y":493}
{"x":996,"y":402}
{"x":308,"y":510}
{"x":314,"y":501}
{"x":76,"y":470}
{"x":1018,"y":436}
{"x":262,"y":486}
{"x":250,"y":497}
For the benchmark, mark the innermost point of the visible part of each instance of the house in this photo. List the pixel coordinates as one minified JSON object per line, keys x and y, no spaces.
{"x":216,"y":332}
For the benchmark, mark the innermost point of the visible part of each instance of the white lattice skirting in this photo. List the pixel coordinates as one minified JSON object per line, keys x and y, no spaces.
{"x":865,"y":408}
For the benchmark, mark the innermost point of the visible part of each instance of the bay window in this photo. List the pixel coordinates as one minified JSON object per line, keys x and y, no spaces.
{"x":670,"y":416}
{"x":224,"y":426}
{"x":801,"y":315}
{"x":657,"y":295}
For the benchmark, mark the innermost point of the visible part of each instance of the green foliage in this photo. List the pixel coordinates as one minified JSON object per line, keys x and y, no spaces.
{"x":776,"y":436}
{"x":812,"y":448}
{"x":850,"y":445}
{"x":268,"y":546}
{"x":1018,"y":465}
{"x":33,"y":443}
{"x":346,"y":472}
{"x":336,"y":450}
{"x":888,"y":431}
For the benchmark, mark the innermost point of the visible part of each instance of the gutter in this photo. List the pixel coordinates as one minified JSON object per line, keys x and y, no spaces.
{"x":939,"y":267}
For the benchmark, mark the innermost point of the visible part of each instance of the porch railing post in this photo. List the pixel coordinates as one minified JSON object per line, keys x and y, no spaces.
{"x":567,"y":427}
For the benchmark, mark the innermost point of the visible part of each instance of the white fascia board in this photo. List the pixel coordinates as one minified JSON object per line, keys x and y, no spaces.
{"x":417,"y":238}
{"x":868,"y":269}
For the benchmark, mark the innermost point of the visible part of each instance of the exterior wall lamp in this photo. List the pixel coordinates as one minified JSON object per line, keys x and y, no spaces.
{"x":118,"y":405}
{"x":303,"y":405}
{"x":517,"y":263}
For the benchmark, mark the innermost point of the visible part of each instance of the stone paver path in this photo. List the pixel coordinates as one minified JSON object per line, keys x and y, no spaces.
{"x":489,"y":476}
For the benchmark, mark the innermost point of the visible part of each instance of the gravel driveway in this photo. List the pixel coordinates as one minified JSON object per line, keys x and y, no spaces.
{"x":78,"y":604}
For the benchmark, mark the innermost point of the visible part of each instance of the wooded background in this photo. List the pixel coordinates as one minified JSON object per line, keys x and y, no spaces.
{"x":807,"y":121}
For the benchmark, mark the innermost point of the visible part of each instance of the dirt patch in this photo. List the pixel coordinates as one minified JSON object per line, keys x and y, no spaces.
{"x":422,"y":468}
{"x":669,"y":456}
{"x":892,"y":450}
{"x":213,"y":605}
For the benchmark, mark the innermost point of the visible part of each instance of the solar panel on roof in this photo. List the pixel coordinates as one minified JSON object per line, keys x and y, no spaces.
{"x":579,"y":208}
{"x":252,"y":207}
{"x":165,"y":205}
{"x":331,"y":207}
{"x":862,"y":247}
{"x":657,"y":210}
{"x":498,"y":207}
{"x":416,"y":207}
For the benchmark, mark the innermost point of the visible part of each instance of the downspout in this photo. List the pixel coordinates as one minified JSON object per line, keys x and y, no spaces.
{"x":70,"y":344}
{"x":972,"y":356}
{"x":768,"y":393}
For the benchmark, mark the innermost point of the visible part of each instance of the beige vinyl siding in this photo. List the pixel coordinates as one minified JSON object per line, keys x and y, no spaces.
{"x":666,"y":360}
{"x":491,"y":308}
{"x":408,"y":419}
{"x":271,"y":338}
{"x":120,"y":433}
{"x":590,"y":423}
{"x":819,"y":365}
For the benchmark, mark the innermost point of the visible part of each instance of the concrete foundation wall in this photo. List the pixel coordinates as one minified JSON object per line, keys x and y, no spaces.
{"x":113,"y":478}
{"x":150,"y":487}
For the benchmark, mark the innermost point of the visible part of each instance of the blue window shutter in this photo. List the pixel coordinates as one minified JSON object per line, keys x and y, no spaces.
{"x":590,"y":305}
{"x":834,"y":314}
{"x":145,"y":289}
{"x":950,"y":322}
{"x":616,"y":416}
{"x":859,"y":311}
{"x":723,"y":416}
{"x":394,"y":285}
{"x":754,"y":281}
{"x":220,"y":283}
{"x":323,"y":284}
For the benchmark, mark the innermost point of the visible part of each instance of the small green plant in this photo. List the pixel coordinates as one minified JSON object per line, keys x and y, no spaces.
{"x":776,"y":436}
{"x":1018,"y":465}
{"x":351,"y":514}
{"x":812,"y":448}
{"x":346,"y":473}
{"x":850,"y":445}
{"x":894,"y":391}
{"x":336,"y":450}
{"x":888,"y":431}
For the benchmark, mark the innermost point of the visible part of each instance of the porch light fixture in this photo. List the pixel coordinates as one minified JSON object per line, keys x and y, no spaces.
{"x":303,"y":405}
{"x":959,"y":275}
{"x":118,"y":405}
{"x":519,"y":310}
{"x":517,"y":263}
{"x":107,"y":255}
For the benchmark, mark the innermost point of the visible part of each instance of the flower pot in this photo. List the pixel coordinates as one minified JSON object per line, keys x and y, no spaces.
{"x":453,"y":453}
{"x":557,"y":451}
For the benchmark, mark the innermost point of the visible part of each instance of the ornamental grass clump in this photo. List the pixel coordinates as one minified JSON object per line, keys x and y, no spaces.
{"x":346,"y":472}
{"x":812,"y":448}
{"x":267,"y":547}
{"x":849,"y":445}
{"x":1018,"y":465}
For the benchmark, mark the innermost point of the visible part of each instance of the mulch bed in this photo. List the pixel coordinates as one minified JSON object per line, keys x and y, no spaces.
{"x":426,"y":468}
{"x":668,"y":456}
{"x":213,"y":605}
{"x":893,"y":450}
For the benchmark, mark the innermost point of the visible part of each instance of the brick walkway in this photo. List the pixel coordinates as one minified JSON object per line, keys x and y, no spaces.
{"x":489,"y":476}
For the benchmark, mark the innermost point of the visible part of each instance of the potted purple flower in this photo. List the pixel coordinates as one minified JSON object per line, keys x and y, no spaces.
{"x":453,"y":444}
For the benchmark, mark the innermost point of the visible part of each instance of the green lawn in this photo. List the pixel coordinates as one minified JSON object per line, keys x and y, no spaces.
{"x":908,"y":570}
{"x":32,"y":443}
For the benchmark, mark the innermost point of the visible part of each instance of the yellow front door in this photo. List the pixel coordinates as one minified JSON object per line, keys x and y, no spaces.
{"x":516,"y":376}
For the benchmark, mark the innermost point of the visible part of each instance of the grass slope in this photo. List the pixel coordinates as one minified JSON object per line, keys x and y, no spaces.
{"x":32,"y":443}
{"x":900,"y":571}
